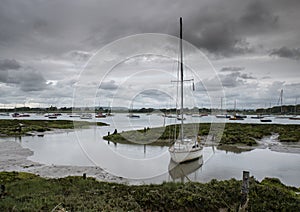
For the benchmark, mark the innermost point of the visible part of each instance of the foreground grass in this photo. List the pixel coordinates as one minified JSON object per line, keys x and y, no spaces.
{"x":234,"y":133}
{"x":28,"y":192}
{"x":18,"y":127}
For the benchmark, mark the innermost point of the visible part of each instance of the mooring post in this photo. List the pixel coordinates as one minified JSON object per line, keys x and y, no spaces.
{"x":245,"y":191}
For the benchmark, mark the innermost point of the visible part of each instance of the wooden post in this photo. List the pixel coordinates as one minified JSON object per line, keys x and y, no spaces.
{"x":108,"y":134}
{"x":245,"y":191}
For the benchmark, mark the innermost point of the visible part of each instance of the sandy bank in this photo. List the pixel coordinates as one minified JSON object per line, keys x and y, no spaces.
{"x":13,"y":157}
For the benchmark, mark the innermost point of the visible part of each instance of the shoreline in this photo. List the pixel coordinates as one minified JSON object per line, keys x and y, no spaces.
{"x":14,"y":158}
{"x":231,"y":133}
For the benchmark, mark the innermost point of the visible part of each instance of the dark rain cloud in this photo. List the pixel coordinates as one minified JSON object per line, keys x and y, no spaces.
{"x":12,"y":73}
{"x":258,"y":16}
{"x":220,"y":39}
{"x":232,"y":68}
{"x":285,"y":52}
{"x":85,"y":25}
{"x":231,"y":80}
{"x":67,"y":32}
{"x":32,"y":81}
{"x":7,"y":64}
{"x":227,"y":80}
{"x":111,"y":85}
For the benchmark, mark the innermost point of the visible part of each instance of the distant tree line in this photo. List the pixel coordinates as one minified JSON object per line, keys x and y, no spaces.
{"x":285,"y":109}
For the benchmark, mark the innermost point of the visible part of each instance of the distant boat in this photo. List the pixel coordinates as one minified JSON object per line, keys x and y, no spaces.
{"x":133,"y":116}
{"x":52,"y":116}
{"x":100,"y":115}
{"x":4,"y":114}
{"x":184,"y":149}
{"x":266,"y":120}
{"x":237,"y":117}
{"x":257,"y":117}
{"x":18,"y":115}
{"x":199,"y":115}
{"x":74,"y":115}
{"x":295,"y":118}
{"x":180,"y":118}
{"x":169,"y":116}
{"x":283,"y":117}
{"x":223,"y":116}
{"x":86,"y":116}
{"x":109,"y":112}
{"x":15,"y":115}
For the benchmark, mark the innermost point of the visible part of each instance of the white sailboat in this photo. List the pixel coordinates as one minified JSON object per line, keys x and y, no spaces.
{"x":131,"y":115}
{"x":184,"y":149}
{"x":222,"y":116}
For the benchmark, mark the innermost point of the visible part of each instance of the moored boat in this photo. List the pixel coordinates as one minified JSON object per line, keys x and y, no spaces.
{"x":100,"y":115}
{"x":184,"y":149}
{"x":86,"y":116}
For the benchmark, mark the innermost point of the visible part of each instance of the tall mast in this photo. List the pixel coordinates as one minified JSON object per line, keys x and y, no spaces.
{"x":295,"y":112}
{"x":281,"y":95}
{"x":221,"y":105}
{"x":181,"y":79}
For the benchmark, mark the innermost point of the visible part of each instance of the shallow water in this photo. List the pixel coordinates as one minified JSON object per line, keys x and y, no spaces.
{"x":151,"y":164}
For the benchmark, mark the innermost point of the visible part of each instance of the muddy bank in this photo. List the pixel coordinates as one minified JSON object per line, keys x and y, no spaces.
{"x":13,"y":157}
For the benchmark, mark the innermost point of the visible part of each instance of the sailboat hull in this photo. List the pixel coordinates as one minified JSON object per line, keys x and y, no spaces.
{"x":181,"y":153}
{"x":181,"y":157}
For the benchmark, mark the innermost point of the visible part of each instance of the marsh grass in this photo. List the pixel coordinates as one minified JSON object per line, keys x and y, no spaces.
{"x":234,"y":133}
{"x":27,"y":192}
{"x":18,"y":127}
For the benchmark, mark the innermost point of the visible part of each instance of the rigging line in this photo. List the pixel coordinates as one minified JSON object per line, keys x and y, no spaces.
{"x":177,"y":94}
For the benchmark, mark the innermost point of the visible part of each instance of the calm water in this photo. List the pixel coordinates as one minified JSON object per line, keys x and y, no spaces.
{"x":151,"y":164}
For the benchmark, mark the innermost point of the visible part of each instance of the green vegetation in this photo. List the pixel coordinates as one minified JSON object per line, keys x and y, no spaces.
{"x":21,"y":127}
{"x":234,"y":133}
{"x":28,"y":192}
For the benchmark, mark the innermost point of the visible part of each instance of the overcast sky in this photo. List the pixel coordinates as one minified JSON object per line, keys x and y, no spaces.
{"x":253,"y":47}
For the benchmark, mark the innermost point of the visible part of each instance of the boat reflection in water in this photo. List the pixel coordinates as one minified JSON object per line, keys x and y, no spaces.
{"x":182,"y":170}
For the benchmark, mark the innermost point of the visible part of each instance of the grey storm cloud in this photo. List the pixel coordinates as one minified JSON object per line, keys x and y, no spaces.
{"x":285,"y":52}
{"x":111,"y":85}
{"x":49,"y":41}
{"x":25,"y":78}
{"x":86,"y":24}
{"x":235,"y":79}
{"x":258,"y":15}
{"x":231,"y":80}
{"x":153,"y":93}
{"x":228,"y":80}
{"x":79,"y":55}
{"x":246,"y":76}
{"x":225,"y":69}
{"x":220,"y":39}
{"x":32,"y":81}
{"x":7,"y":64}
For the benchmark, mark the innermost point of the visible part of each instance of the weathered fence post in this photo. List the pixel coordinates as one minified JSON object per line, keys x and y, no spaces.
{"x":245,"y":191}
